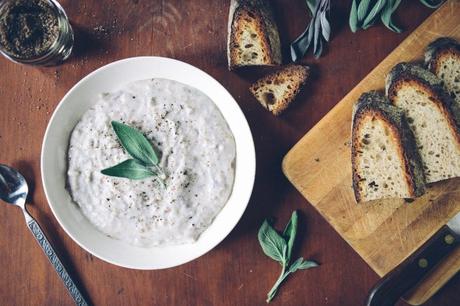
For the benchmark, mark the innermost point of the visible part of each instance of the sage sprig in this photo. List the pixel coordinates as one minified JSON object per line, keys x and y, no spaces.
{"x":144,"y":162}
{"x":135,"y":143}
{"x":279,"y":248}
{"x":316,"y":34}
{"x":365,"y":13}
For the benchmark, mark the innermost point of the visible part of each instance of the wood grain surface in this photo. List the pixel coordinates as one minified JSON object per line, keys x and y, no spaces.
{"x":321,"y":171}
{"x":236,"y":272}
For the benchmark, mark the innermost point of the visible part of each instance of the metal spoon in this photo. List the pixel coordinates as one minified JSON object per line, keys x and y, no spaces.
{"x":14,"y":190}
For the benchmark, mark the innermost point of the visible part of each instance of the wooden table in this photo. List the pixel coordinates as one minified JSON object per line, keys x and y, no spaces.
{"x":236,"y":272}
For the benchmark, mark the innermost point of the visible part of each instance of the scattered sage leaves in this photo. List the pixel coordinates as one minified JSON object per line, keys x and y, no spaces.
{"x":279,"y":248}
{"x":316,"y":34}
{"x":364,"y":13}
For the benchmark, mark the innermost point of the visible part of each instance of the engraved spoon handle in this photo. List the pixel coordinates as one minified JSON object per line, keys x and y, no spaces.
{"x":54,"y":260}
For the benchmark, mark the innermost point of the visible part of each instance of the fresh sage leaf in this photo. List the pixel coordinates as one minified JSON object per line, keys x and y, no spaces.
{"x":363,"y":7}
{"x":317,"y":33}
{"x":432,"y":4}
{"x":131,"y":169}
{"x":307,"y":264}
{"x":370,"y":18}
{"x":387,"y":13}
{"x":317,"y":30}
{"x":135,"y":143}
{"x":279,"y":248}
{"x":311,"y":5}
{"x":145,"y":162}
{"x":319,"y":49}
{"x":394,"y":5}
{"x":326,"y":27}
{"x":290,"y":233}
{"x":299,"y":46}
{"x":301,"y":264}
{"x":311,"y":34}
{"x":295,"y":265}
{"x":273,"y":245}
{"x":353,"y":20}
{"x":362,"y":17}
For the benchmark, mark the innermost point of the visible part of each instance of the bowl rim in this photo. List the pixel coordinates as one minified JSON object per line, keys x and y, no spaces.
{"x":249,"y":173}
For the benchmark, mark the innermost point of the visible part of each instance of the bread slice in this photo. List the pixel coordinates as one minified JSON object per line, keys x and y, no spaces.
{"x":253,"y":37}
{"x":442,"y":57}
{"x":428,"y":109}
{"x":277,"y":90}
{"x":384,"y":157}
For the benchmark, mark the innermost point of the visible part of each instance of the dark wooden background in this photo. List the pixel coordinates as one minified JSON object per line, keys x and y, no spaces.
{"x":236,"y":272}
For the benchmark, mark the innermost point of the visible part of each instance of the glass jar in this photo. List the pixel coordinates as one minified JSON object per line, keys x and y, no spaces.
{"x":21,"y":19}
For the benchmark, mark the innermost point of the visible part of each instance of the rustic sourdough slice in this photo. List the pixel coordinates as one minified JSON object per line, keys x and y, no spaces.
{"x":428,"y":109}
{"x":442,"y":57}
{"x":253,"y":37}
{"x":277,"y":90}
{"x":384,"y":157}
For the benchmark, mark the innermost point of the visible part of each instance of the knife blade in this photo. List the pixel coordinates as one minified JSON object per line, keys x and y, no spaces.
{"x":410,"y":272}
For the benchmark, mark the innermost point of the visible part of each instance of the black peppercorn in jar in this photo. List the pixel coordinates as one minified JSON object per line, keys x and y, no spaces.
{"x":35,"y":32}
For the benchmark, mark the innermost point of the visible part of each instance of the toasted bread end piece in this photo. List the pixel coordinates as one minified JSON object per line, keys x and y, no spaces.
{"x":442,"y":58}
{"x":253,"y":38}
{"x":276,"y":91}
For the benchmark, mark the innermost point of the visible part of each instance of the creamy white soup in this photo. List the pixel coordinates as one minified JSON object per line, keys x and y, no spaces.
{"x":197,"y":154}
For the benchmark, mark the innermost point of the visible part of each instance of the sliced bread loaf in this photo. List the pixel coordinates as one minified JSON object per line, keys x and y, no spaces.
{"x":253,"y":37}
{"x":428,"y":109}
{"x":277,"y":90}
{"x":442,"y":57}
{"x":384,"y":157}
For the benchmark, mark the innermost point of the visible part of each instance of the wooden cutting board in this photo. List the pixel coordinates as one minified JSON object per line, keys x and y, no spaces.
{"x":385,"y":232}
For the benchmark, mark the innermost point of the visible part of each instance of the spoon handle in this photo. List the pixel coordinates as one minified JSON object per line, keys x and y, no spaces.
{"x":54,"y":259}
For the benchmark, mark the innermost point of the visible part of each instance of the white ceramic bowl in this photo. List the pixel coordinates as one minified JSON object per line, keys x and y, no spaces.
{"x":54,"y":164}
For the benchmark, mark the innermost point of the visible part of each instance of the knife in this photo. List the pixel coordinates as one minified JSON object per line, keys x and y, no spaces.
{"x":411,"y":271}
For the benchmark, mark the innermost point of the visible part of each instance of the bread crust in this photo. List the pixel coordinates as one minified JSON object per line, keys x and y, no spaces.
{"x":300,"y":72}
{"x":439,"y":49}
{"x":436,"y":53}
{"x":417,"y":77}
{"x":374,"y":104}
{"x":267,"y":30}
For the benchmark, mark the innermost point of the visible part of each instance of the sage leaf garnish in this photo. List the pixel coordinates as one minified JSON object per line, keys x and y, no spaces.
{"x":279,"y":248}
{"x":364,"y":13}
{"x":144,"y":163}
{"x":317,"y":32}
{"x":131,"y":169}
{"x":135,"y":143}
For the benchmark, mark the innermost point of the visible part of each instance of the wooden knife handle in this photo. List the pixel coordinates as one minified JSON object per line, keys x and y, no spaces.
{"x":405,"y":276}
